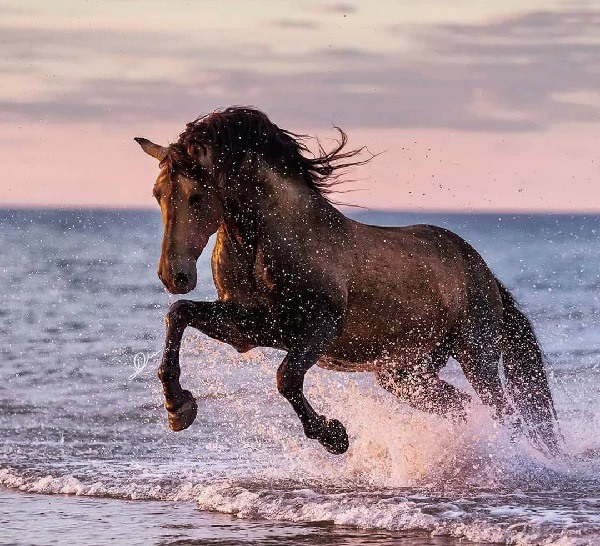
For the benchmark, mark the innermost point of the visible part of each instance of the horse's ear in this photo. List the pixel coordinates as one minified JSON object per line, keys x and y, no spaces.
{"x":155,"y":150}
{"x":200,"y":153}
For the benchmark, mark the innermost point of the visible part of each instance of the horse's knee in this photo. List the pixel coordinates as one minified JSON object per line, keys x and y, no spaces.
{"x":395,"y":381}
{"x":424,"y":391}
{"x":179,"y":312}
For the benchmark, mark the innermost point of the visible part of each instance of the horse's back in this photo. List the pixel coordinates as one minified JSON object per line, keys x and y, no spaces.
{"x":418,"y":254}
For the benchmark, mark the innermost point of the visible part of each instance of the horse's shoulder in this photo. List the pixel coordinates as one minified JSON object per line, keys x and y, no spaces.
{"x":231,"y":270}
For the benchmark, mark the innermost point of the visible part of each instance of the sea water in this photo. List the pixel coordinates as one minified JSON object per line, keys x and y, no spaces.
{"x":81,"y":323}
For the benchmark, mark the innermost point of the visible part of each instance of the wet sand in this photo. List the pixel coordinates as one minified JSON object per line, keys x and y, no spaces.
{"x":36,"y":520}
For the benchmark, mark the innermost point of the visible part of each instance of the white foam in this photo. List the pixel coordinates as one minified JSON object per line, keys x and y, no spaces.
{"x":368,"y":510}
{"x":394,"y":512}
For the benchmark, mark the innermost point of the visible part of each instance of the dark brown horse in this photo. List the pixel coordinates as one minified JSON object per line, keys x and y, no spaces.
{"x":292,"y":272}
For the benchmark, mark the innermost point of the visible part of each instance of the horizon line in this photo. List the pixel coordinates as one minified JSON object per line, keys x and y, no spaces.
{"x":345,"y":209}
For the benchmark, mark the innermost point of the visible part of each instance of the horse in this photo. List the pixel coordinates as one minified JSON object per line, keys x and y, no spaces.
{"x":292,"y":272}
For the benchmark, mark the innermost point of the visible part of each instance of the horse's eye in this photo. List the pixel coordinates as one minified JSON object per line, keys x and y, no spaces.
{"x":194,"y":199}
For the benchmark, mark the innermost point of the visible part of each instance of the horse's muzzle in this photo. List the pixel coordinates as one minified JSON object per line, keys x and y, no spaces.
{"x":179,"y":282}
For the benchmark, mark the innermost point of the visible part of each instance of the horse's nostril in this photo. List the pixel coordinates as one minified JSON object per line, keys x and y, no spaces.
{"x":181,"y":279}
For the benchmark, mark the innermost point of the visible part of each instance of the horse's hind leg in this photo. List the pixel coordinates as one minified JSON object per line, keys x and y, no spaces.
{"x":421,"y":387}
{"x":478,"y":352}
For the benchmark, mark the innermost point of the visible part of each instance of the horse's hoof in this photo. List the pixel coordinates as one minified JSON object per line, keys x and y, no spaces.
{"x":333,"y":437}
{"x":184,"y":415}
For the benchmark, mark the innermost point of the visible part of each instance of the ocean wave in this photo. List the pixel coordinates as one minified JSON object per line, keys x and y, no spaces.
{"x":484,"y":517}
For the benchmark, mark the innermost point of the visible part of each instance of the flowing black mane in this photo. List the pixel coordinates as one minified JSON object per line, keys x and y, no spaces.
{"x":240,"y":136}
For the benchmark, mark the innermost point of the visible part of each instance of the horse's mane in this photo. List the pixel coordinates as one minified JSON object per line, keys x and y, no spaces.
{"x":241,"y":136}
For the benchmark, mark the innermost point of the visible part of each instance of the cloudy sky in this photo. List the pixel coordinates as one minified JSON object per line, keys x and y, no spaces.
{"x":476,"y":105}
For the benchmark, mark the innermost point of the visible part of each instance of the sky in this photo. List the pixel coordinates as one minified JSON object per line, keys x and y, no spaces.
{"x":471,"y":105}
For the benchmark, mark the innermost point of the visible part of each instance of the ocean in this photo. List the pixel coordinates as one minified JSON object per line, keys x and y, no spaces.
{"x":86,"y":456}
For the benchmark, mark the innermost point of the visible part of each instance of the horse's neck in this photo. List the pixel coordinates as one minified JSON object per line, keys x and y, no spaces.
{"x":280,"y":205}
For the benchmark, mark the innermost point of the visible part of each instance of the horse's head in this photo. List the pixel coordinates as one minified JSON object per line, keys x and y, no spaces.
{"x":191,"y":211}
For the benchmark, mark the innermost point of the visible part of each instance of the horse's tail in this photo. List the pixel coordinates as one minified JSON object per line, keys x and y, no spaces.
{"x":524,"y":369}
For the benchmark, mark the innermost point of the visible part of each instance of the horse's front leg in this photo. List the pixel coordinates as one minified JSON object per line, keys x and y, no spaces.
{"x":180,"y":404}
{"x":304,"y":353}
{"x":243,"y":327}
